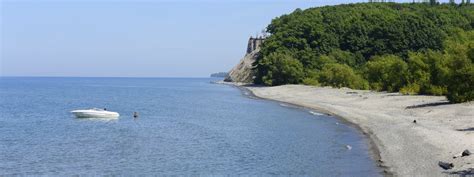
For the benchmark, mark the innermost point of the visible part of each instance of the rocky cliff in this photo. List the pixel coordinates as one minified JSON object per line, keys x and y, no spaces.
{"x":243,"y":72}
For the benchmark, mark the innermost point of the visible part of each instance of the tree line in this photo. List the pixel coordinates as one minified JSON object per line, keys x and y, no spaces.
{"x":432,"y":2}
{"x":407,"y":48}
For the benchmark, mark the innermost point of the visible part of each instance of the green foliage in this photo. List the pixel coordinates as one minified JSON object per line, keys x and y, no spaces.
{"x":340,"y":75}
{"x":459,"y":53}
{"x":411,"y":89}
{"x":311,"y":77}
{"x":368,"y":29}
{"x":345,"y":57}
{"x":411,"y":48}
{"x":387,"y":72}
{"x":461,"y":88}
{"x":429,"y":71}
{"x":461,"y":75}
{"x":311,"y":81}
{"x":283,"y":69}
{"x":322,"y":61}
{"x":437,"y":90}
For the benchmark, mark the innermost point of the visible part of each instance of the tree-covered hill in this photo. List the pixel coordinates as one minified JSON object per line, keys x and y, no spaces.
{"x":412,"y":48}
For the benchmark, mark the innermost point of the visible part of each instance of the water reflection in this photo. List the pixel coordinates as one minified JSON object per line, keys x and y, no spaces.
{"x":91,"y":119}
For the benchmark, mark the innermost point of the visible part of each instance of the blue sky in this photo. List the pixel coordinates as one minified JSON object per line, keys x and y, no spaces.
{"x":119,"y":38}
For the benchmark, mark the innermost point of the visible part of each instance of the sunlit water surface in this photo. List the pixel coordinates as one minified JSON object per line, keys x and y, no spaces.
{"x":186,"y":127}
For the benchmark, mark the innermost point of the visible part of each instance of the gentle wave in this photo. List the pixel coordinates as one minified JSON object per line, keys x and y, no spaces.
{"x":288,"y":105}
{"x":316,"y":113}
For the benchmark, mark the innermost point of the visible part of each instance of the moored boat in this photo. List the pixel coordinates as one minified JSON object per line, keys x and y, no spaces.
{"x":95,"y":113}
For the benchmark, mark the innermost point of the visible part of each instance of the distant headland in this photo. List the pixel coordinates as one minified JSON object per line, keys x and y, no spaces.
{"x":220,"y":74}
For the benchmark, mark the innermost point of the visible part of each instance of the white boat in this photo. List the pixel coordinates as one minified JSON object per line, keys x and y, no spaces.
{"x":95,"y":113}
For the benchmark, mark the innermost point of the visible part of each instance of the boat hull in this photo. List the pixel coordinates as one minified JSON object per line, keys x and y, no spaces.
{"x":95,"y":114}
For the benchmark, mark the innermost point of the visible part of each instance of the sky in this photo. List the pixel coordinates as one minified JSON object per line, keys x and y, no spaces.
{"x":125,"y":38}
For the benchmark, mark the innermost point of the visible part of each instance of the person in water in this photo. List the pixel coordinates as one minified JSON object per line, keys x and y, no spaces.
{"x":135,"y":114}
{"x":105,"y":109}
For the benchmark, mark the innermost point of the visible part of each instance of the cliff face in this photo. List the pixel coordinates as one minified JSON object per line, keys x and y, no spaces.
{"x":243,"y":72}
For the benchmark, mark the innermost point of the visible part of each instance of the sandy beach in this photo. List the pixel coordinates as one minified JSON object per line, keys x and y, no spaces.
{"x":400,"y":146}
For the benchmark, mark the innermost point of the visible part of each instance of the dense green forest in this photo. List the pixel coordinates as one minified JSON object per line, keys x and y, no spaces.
{"x":407,"y":48}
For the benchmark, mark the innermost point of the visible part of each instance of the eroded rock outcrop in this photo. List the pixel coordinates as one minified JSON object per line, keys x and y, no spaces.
{"x":243,"y":71}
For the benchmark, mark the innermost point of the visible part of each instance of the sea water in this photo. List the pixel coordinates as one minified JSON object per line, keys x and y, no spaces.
{"x":186,"y":126}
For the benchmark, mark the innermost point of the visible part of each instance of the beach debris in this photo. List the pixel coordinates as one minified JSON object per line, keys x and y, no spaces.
{"x":462,"y":154}
{"x":348,"y":147}
{"x":445,"y":165}
{"x":465,"y":153}
{"x":414,"y":121}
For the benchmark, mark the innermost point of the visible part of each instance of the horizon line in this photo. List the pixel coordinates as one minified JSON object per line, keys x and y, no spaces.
{"x":170,"y":77}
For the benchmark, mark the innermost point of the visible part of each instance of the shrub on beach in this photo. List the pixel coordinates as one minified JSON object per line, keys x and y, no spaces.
{"x":311,"y":81}
{"x":429,"y":70}
{"x":411,"y":89}
{"x":460,"y":56}
{"x":461,"y":88}
{"x":341,"y":75}
{"x":386,"y":73}
{"x":461,"y":64}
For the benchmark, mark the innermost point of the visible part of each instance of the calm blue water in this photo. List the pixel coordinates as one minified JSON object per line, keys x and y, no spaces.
{"x":186,"y":127}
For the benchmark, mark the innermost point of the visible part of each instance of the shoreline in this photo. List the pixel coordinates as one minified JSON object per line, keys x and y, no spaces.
{"x":374,"y":151}
{"x":398,"y":146}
